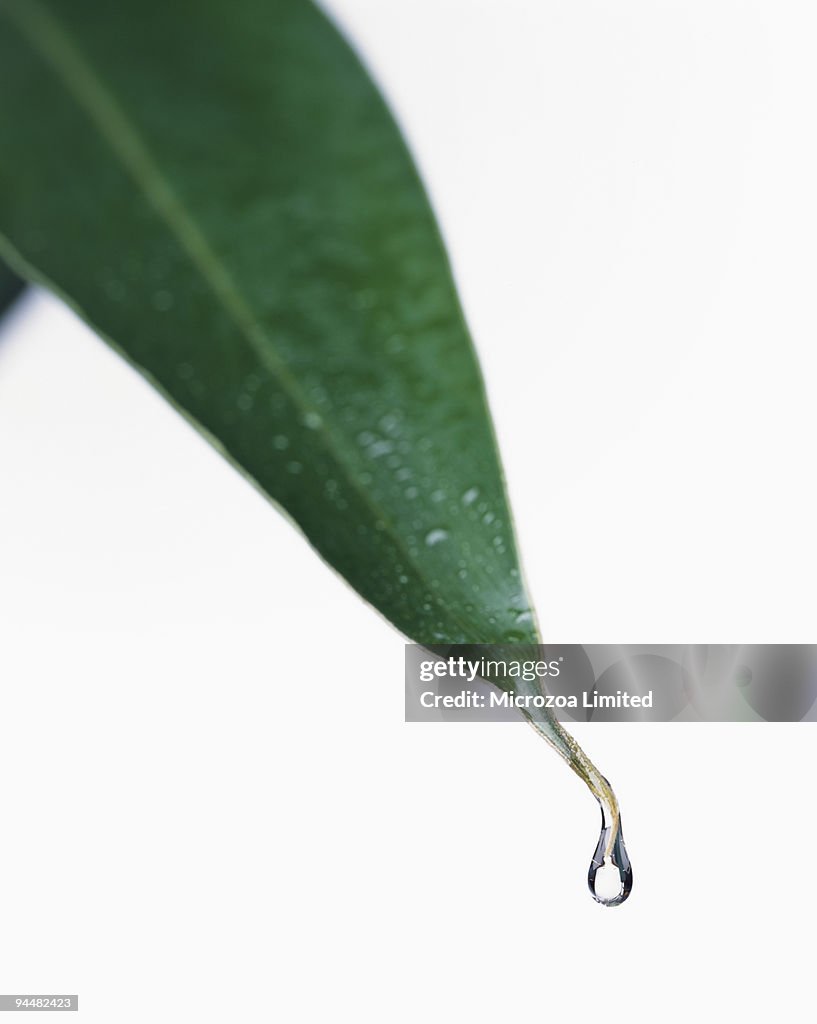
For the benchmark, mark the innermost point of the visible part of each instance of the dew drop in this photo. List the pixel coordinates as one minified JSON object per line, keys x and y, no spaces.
{"x":162,"y":301}
{"x":379,"y":448}
{"x":115,"y":290}
{"x":281,"y":442}
{"x":294,"y":467}
{"x":312,"y":420}
{"x":434,"y":537}
{"x":470,"y":496}
{"x":610,"y":876}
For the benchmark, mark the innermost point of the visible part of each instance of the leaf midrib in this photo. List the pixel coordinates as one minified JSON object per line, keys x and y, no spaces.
{"x":46,"y":36}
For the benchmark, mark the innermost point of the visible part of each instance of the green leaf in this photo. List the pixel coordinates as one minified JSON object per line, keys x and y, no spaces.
{"x":10,"y":288}
{"x":221,"y":193}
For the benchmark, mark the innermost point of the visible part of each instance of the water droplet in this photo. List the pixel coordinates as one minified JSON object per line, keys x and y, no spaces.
{"x":312,"y":420}
{"x":364,"y":299}
{"x":411,"y":493}
{"x":115,"y":290}
{"x":434,"y":537}
{"x":281,"y":442}
{"x":294,"y":468}
{"x":379,"y":448}
{"x":245,"y":402}
{"x":523,"y":617}
{"x":162,"y":301}
{"x":470,"y":496}
{"x":438,"y":496}
{"x":488,"y":518}
{"x":610,"y":877}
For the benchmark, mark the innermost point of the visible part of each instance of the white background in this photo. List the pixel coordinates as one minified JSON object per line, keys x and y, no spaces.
{"x":199,"y":826}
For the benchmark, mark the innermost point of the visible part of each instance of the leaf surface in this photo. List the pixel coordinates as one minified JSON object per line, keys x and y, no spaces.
{"x":220,"y":192}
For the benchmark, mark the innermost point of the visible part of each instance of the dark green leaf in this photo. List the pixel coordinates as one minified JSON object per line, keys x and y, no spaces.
{"x":219,"y":190}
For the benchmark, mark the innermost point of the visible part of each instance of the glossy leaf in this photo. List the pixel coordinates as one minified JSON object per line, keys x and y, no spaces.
{"x":220,"y":192}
